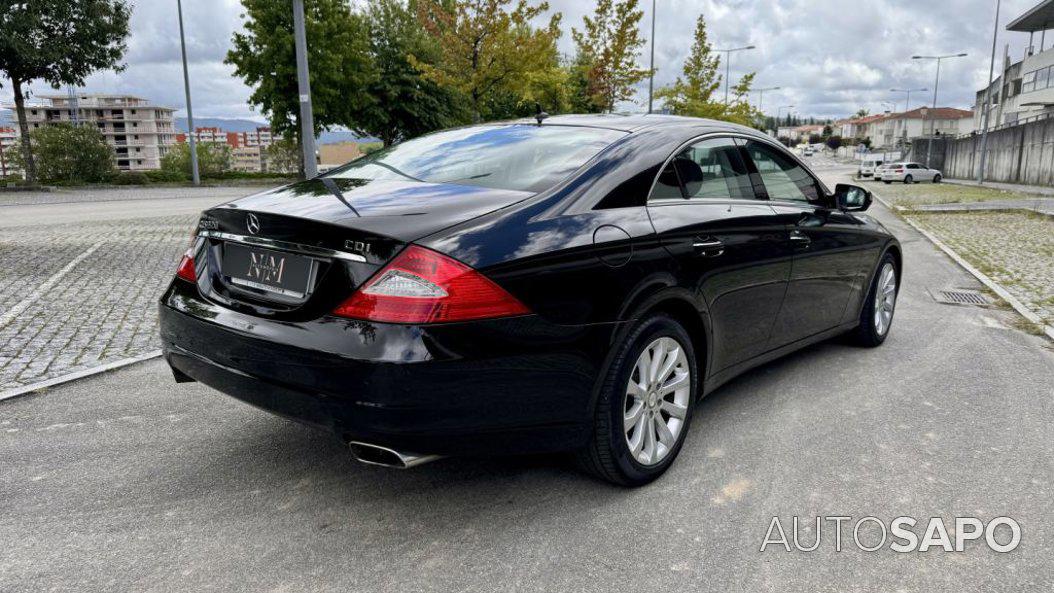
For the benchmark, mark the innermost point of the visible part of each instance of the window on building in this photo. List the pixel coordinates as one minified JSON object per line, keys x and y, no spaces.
{"x":1028,"y":82}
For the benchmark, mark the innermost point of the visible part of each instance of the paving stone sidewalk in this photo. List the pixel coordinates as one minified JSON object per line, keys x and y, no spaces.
{"x":105,"y":279}
{"x":1016,"y":249}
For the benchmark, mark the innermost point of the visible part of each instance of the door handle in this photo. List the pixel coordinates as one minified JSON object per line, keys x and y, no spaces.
{"x":799,"y":239}
{"x":708,"y":246}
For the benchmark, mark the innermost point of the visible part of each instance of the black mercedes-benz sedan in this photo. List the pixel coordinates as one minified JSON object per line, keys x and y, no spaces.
{"x":571,"y":284}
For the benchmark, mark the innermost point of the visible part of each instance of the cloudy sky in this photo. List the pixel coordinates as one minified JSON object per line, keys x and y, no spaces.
{"x":831,"y":57}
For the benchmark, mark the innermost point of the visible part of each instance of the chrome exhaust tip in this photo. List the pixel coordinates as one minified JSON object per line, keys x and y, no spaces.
{"x":383,"y":456}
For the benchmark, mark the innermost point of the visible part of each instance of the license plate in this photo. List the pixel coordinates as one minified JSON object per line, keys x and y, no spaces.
{"x":264,"y":269}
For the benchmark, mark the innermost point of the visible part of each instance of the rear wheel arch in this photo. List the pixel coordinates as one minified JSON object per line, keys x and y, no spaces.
{"x":680,"y":305}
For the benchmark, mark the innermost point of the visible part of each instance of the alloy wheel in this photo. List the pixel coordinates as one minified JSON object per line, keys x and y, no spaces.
{"x":885,"y":299}
{"x":656,"y":402}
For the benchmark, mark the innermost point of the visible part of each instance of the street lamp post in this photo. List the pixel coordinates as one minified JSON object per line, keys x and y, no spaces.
{"x":651,"y":75}
{"x":307,"y":120}
{"x":194,"y":177}
{"x":907,"y":98}
{"x":936,"y":84}
{"x":988,"y":99}
{"x":728,"y":59}
{"x":761,"y":96}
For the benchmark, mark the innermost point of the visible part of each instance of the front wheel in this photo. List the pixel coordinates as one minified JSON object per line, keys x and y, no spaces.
{"x":876,"y":316}
{"x":644,"y":406}
{"x":937,"y":178}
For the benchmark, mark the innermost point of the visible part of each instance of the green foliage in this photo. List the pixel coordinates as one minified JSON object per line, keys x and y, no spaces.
{"x":61,"y":42}
{"x":608,"y":48}
{"x":405,"y":104}
{"x":834,"y":142}
{"x":370,"y":147}
{"x":490,"y":52}
{"x":130,"y":178}
{"x":264,"y":56}
{"x":693,"y":92}
{"x":213,"y":160}
{"x":283,"y":156}
{"x":70,"y":154}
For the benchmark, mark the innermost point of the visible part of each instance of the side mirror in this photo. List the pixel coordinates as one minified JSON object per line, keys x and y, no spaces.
{"x":851,"y":198}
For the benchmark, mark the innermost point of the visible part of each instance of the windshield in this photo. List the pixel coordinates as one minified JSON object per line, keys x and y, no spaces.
{"x":514,"y":156}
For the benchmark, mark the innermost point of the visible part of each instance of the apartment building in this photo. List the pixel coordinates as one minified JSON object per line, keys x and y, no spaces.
{"x":799,"y":133}
{"x":895,"y":129}
{"x":248,"y":149}
{"x":1023,"y":89}
{"x":139,"y":131}
{"x":860,"y":127}
{"x":8,"y":146}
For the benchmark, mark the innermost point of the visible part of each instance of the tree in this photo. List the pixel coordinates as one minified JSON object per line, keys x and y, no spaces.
{"x":61,"y":42}
{"x":834,"y":142}
{"x":213,"y":159}
{"x":264,"y":56}
{"x":608,"y":48}
{"x":693,"y":92}
{"x":283,"y":156}
{"x":405,"y":104}
{"x":862,"y":113}
{"x":70,"y":154}
{"x":488,"y":51}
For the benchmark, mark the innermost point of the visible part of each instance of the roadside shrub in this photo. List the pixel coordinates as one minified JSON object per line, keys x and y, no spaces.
{"x":69,"y":154}
{"x":131,"y":178}
{"x":213,"y":159}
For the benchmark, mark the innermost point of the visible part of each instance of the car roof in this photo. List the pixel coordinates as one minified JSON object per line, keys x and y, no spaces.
{"x":634,"y":122}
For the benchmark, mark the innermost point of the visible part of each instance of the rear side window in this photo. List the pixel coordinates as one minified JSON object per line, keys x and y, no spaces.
{"x":782,"y":176}
{"x":711,"y":169}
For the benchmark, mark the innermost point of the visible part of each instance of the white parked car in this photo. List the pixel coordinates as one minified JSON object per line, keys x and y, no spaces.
{"x":909,"y":173}
{"x":868,"y":167}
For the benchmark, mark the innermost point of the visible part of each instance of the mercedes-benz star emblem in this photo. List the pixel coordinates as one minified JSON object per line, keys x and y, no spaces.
{"x":253,"y":223}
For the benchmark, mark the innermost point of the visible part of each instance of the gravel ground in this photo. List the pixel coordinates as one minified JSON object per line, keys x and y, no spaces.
{"x":1015,"y":249}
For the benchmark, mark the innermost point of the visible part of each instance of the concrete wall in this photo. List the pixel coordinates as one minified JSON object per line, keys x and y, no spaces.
{"x":1019,"y":154}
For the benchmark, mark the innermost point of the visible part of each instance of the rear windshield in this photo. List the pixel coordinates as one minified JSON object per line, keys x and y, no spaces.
{"x":512,"y":156}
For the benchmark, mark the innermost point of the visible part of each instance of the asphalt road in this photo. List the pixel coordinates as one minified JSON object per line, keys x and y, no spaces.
{"x":128,"y":482}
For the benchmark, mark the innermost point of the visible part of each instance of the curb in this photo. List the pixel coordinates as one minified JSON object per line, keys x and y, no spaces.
{"x":991,"y":284}
{"x":12,"y":393}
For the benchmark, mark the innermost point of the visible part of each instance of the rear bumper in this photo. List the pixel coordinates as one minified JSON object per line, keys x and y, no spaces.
{"x":509,"y":386}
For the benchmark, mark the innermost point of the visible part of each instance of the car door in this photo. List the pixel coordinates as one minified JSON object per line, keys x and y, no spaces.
{"x":828,"y":264}
{"x":730,"y":247}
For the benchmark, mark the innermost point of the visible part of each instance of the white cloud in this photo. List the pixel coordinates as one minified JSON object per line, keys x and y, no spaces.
{"x":831,"y":57}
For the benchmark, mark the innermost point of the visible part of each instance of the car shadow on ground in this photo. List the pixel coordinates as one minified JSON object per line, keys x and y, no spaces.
{"x":271,"y":453}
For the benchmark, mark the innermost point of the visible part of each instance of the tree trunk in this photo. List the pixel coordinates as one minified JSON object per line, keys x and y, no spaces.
{"x":23,"y":129}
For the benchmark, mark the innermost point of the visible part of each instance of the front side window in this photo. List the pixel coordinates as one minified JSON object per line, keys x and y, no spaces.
{"x":519,"y":157}
{"x":782,"y":176}
{"x":711,"y":169}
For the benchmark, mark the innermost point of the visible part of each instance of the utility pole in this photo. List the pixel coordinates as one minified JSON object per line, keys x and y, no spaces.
{"x":907,"y":98}
{"x":194,"y":177}
{"x":936,"y":83}
{"x":651,"y":76}
{"x":761,"y":96}
{"x":307,"y":120}
{"x":728,"y":60}
{"x":988,"y":98}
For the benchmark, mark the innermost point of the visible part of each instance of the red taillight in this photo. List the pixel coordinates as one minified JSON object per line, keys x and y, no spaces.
{"x":186,"y":267}
{"x":422,"y":286}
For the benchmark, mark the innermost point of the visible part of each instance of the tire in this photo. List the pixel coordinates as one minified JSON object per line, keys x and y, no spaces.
{"x":937,"y":178}
{"x":608,"y":455}
{"x":870,"y":333}
{"x":909,"y":180}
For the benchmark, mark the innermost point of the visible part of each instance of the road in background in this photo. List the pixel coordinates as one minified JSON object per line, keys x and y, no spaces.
{"x":127,"y":481}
